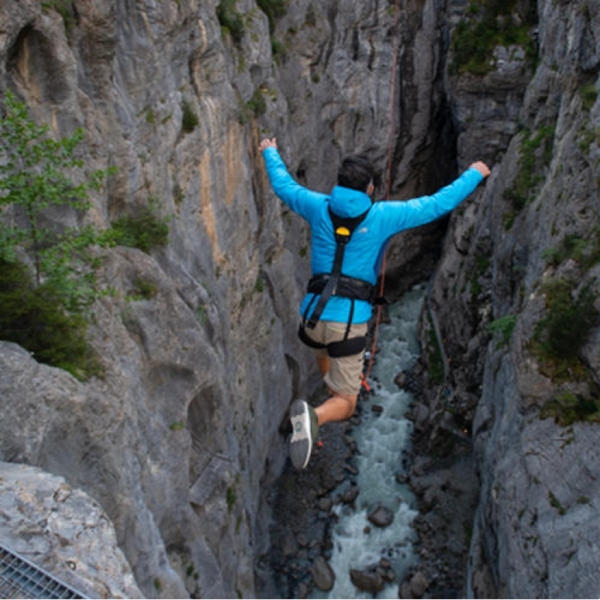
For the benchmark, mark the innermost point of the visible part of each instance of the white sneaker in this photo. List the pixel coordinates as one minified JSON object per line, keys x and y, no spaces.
{"x":305,"y":429}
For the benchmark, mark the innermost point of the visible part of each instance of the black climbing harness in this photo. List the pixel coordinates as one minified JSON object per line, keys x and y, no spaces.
{"x":325,"y":285}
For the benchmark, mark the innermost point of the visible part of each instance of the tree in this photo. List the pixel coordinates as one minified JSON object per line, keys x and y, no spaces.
{"x":49,"y":266}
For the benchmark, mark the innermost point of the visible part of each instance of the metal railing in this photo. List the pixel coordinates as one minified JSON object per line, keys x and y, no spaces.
{"x":20,"y":578}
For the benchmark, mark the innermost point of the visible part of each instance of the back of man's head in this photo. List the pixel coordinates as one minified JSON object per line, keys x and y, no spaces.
{"x":356,"y":172}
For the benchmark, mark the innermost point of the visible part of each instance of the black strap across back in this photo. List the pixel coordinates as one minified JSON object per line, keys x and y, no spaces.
{"x":337,"y":284}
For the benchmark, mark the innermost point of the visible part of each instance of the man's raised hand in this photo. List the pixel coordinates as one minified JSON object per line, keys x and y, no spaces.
{"x":267,"y":143}
{"x":481,"y":167}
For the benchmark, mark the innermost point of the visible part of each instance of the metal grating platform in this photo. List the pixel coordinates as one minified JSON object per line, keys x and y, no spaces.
{"x":20,"y":578}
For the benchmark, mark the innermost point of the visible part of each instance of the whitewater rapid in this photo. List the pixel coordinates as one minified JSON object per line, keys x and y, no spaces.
{"x":382,"y":439}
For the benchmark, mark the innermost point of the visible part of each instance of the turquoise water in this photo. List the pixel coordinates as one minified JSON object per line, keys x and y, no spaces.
{"x":381,"y":441}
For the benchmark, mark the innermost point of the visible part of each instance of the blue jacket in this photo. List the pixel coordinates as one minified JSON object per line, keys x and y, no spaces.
{"x":364,"y":252}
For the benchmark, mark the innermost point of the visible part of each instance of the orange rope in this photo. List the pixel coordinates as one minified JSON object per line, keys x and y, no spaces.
{"x":390,"y":152}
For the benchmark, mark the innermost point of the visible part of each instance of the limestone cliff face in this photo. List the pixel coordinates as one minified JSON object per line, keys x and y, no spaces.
{"x":167,"y":441}
{"x":536,"y":523}
{"x":179,"y":440}
{"x":63,"y":531}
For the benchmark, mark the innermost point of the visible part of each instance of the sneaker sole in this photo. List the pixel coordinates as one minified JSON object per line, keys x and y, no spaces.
{"x":301,"y":442}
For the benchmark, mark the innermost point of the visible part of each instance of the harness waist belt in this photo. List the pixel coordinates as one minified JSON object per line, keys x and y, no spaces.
{"x":347,"y":287}
{"x":345,"y":347}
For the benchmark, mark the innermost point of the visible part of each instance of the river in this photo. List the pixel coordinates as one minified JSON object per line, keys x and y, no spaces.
{"x":382,"y":439}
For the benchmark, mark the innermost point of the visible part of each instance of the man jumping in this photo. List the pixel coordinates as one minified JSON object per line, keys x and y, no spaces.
{"x":349,"y":234}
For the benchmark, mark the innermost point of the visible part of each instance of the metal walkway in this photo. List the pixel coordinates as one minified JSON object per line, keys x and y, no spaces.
{"x":20,"y":578}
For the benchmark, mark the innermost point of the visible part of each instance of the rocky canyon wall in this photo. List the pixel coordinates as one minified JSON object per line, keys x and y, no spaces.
{"x":179,"y":439}
{"x":510,"y":298}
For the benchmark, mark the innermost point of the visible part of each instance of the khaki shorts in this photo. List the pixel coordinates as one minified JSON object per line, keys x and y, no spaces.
{"x":344,"y":373}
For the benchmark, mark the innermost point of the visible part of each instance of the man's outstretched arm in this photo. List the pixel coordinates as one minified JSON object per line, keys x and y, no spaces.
{"x":300,"y":199}
{"x":419,"y":211}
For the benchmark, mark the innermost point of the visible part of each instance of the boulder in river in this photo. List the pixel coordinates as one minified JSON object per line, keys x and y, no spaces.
{"x":323,"y":574}
{"x":380,"y":516}
{"x":367,"y":580}
{"x":418,"y":585}
{"x":401,"y":379}
{"x":350,"y":495}
{"x":325,"y":504}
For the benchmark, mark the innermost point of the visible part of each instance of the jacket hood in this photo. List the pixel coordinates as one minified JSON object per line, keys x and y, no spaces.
{"x":346,"y":202}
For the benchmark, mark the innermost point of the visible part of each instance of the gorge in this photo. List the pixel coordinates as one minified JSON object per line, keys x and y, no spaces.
{"x":178,"y":443}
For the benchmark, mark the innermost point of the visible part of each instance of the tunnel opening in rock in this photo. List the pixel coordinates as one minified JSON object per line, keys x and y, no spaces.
{"x":35,"y":67}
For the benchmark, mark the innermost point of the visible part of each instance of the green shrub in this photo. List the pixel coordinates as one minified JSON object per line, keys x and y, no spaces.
{"x":65,"y":9}
{"x":311,"y":16}
{"x":259,"y":286}
{"x":42,"y":307}
{"x":189,"y":119}
{"x":231,"y":20}
{"x":589,"y":94}
{"x":588,"y":136}
{"x":482,"y":264}
{"x":535,"y":153}
{"x":555,"y":503}
{"x":277,"y":50}
{"x":231,"y":498}
{"x":568,"y":408}
{"x":257,"y":103}
{"x":504,"y":327}
{"x":274,"y":9}
{"x":145,"y":231}
{"x":489,"y":24}
{"x":564,"y":330}
{"x":178,"y":195}
{"x":35,"y":318}
{"x":202,"y":314}
{"x":586,"y":252}
{"x":144,"y":289}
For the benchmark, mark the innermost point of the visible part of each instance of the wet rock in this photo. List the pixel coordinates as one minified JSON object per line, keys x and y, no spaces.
{"x":381,"y":516}
{"x":401,"y":379}
{"x":303,"y":590}
{"x":352,"y":470}
{"x":323,"y":574}
{"x":350,"y":494}
{"x":351,"y":443}
{"x":418,"y":585}
{"x":367,"y":580}
{"x":421,"y":417}
{"x":325,"y":504}
{"x":377,"y":409}
{"x":330,"y":480}
{"x":430,"y":498}
{"x":402,"y":478}
{"x":290,"y":547}
{"x":404,"y":591}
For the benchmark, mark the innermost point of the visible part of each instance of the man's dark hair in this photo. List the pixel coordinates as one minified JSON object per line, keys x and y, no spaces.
{"x":356,"y":172}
